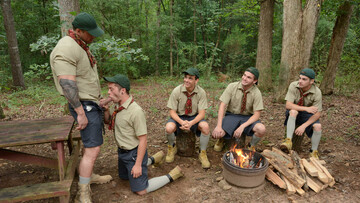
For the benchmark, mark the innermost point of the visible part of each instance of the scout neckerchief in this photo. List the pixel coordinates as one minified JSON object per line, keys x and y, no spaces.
{"x":113,"y":116}
{"x":188,"y":104}
{"x":243,"y":102}
{"x":83,"y":45}
{"x":302,"y":96}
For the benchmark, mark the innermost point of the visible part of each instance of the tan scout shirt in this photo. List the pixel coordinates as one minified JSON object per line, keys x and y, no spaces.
{"x":129,"y":124}
{"x":314,"y":98}
{"x":233,"y":95}
{"x":68,"y":58}
{"x":178,"y":100}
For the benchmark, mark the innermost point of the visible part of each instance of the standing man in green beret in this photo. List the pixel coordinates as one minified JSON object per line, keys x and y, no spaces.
{"x":76,"y":78}
{"x":187,"y":106}
{"x":128,"y":122}
{"x":304,"y":106}
{"x":243,"y":101}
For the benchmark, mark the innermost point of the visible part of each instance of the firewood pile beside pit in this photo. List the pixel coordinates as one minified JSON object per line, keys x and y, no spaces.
{"x":296,"y":175}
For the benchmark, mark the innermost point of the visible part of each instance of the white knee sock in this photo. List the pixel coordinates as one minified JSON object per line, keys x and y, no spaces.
{"x":149,"y":162}
{"x":171,"y":138}
{"x":84,"y":180}
{"x":315,"y":140}
{"x":290,"y":127}
{"x":204,"y":140}
{"x":157,"y":182}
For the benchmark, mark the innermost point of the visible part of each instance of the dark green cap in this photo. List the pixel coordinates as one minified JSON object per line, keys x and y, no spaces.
{"x":254,"y":71}
{"x":85,"y":21}
{"x":308,"y":72}
{"x":192,"y":71}
{"x":120,"y":79}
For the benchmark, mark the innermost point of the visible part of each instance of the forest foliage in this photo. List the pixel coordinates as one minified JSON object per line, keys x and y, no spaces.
{"x":129,"y":45}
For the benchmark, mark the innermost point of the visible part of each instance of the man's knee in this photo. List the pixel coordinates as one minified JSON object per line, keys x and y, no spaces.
{"x":170,"y":127}
{"x":204,"y":127}
{"x":92,"y":152}
{"x":293,"y":113}
{"x":259,"y":129}
{"x":317,"y":127}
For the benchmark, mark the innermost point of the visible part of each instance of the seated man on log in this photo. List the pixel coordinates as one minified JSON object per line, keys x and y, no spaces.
{"x":129,"y":124}
{"x":304,"y":106}
{"x":244,"y":104}
{"x":187,"y":104}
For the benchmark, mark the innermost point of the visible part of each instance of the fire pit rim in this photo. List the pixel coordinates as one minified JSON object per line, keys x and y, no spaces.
{"x":248,"y":170}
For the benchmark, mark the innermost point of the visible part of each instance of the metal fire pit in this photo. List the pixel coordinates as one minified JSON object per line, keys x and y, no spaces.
{"x":244,"y":177}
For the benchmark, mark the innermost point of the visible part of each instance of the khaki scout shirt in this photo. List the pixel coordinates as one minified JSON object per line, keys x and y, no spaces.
{"x":314,"y":98}
{"x":68,"y":58}
{"x":129,"y":124}
{"x":178,"y":100}
{"x":233,"y":95}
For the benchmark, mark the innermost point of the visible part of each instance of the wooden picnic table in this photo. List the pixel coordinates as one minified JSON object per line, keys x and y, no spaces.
{"x":56,"y":131}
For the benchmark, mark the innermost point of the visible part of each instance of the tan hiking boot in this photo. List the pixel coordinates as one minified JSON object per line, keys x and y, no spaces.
{"x":252,"y":148}
{"x":219,"y":145}
{"x":203,"y":159}
{"x":170,"y":156}
{"x":158,"y":158}
{"x":314,"y":154}
{"x":175,"y":173}
{"x":98,"y":179}
{"x":84,"y":194}
{"x":286,"y":145}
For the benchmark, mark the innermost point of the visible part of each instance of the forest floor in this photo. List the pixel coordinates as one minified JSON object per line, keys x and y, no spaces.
{"x":339,"y":147}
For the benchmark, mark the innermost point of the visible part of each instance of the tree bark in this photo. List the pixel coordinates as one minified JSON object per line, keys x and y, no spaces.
{"x":337,"y":44}
{"x":65,"y":10}
{"x":195,"y":43}
{"x":157,"y":38}
{"x":264,"y":47}
{"x":171,"y":39}
{"x":16,"y":69}
{"x":299,"y":28}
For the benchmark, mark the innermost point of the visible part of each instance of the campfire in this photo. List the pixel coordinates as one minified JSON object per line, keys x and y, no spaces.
{"x":244,"y":168}
{"x":244,"y":159}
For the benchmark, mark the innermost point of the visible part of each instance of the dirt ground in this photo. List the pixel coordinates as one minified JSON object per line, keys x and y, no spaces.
{"x":339,"y":147}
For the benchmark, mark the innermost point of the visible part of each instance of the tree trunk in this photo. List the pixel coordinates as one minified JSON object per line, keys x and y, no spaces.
{"x":299,"y":28}
{"x":157,"y":39}
{"x":337,"y":44}
{"x":264,"y":47}
{"x":171,"y":39}
{"x":66,"y":7}
{"x":17,"y":75}
{"x":195,"y":43}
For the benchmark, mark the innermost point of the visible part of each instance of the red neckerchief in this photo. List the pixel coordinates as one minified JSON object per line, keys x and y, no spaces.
{"x":113,"y":116}
{"x":188,"y":104}
{"x":243,"y":102}
{"x":302,"y":96}
{"x":83,"y":45}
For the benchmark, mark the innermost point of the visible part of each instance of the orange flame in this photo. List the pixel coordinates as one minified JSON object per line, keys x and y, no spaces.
{"x":242,"y":159}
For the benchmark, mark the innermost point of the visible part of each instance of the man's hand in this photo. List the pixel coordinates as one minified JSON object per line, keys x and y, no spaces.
{"x":186,"y":125}
{"x":136,"y":171}
{"x":312,"y":109}
{"x":218,"y":132}
{"x":238,"y":132}
{"x":300,"y":130}
{"x":82,"y":121}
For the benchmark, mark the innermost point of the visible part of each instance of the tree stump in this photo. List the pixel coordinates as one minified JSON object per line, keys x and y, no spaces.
{"x":297,"y":141}
{"x":185,"y":143}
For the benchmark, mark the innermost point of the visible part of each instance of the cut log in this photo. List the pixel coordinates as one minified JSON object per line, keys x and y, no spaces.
{"x":311,"y":183}
{"x":290,"y":189}
{"x":274,"y":149}
{"x":323,"y":168}
{"x":323,"y":162}
{"x":300,"y":191}
{"x":185,"y":143}
{"x":273,"y":155}
{"x":275,"y":179}
{"x":322,"y":176}
{"x":297,"y":165}
{"x":310,"y":168}
{"x":296,"y":180}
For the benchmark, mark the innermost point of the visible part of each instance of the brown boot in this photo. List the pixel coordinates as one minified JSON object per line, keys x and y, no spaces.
{"x":98,"y":179}
{"x":204,"y":159}
{"x":175,"y":174}
{"x":84,"y":194}
{"x":158,"y":158}
{"x":172,"y":150}
{"x":286,"y":145}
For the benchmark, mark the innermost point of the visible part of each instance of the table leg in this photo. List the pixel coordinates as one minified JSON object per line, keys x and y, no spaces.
{"x":61,"y":159}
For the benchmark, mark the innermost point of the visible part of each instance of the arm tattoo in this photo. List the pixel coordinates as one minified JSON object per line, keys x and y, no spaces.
{"x":71,"y":92}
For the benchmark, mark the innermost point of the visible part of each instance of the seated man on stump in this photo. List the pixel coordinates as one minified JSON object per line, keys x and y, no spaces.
{"x":129,"y":125}
{"x":187,"y":104}
{"x":304,"y":106}
{"x":244,"y":104}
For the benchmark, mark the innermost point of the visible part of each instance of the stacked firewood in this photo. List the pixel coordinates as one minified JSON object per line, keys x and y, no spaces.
{"x":296,"y":175}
